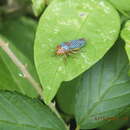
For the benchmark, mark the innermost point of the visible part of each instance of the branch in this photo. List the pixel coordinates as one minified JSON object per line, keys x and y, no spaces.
{"x":22,"y":67}
{"x":26,"y":74}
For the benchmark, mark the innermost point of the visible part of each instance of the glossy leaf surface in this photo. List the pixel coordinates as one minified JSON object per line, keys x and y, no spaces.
{"x":66,"y":20}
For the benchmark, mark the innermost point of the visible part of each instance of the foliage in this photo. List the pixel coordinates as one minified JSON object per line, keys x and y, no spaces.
{"x":89,"y":89}
{"x":56,"y":27}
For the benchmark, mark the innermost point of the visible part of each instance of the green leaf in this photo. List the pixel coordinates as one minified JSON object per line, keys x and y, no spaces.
{"x":18,"y":112}
{"x":38,"y":6}
{"x":121,"y":4}
{"x":64,"y":20}
{"x":48,"y":1}
{"x":6,"y":80}
{"x":19,"y":33}
{"x":115,"y":124}
{"x":125,"y":34}
{"x":101,"y":93}
{"x":118,"y":122}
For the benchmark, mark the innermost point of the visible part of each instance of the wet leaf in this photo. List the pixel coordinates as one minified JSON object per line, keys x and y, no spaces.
{"x":18,"y":112}
{"x":101,"y":94}
{"x":19,"y":33}
{"x":96,"y":21}
{"x":38,"y":6}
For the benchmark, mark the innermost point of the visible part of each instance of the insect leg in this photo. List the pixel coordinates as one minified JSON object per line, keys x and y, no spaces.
{"x":74,"y":51}
{"x":65,"y":58}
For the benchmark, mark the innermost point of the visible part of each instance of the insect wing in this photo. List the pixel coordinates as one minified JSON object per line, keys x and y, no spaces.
{"x":77,"y":44}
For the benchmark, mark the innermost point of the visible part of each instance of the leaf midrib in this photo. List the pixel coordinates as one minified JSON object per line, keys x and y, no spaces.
{"x":103,"y":95}
{"x":20,"y":124}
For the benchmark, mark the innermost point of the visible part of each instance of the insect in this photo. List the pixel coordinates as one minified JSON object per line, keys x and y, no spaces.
{"x":67,"y":48}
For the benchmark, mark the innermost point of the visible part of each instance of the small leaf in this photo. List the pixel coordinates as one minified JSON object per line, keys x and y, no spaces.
{"x":100,"y":94}
{"x":38,"y":6}
{"x":48,"y":1}
{"x":125,"y":34}
{"x":64,"y":20}
{"x":18,"y":112}
{"x":19,"y":33}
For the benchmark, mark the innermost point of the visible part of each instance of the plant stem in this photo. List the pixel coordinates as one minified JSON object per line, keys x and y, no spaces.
{"x":26,"y":74}
{"x":21,"y":66}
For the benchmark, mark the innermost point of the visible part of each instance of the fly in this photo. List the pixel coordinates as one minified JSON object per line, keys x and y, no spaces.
{"x":67,"y":48}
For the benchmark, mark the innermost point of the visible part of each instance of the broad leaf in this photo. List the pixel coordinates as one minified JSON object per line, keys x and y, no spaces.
{"x":6,"y":80}
{"x":19,"y":33}
{"x":18,"y":112}
{"x":122,"y":5}
{"x":64,"y":20}
{"x":117,"y":123}
{"x":38,"y":6}
{"x":101,"y":93}
{"x":48,"y":1}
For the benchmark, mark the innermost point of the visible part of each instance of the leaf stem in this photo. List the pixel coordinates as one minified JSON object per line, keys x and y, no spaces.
{"x":21,"y":66}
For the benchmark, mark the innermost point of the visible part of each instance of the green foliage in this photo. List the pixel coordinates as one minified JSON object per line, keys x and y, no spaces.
{"x":123,"y":5}
{"x":93,"y":84}
{"x":69,"y":20}
{"x":101,"y":93}
{"x":19,"y":112}
{"x":18,"y":35}
{"x":125,"y":34}
{"x":38,"y":6}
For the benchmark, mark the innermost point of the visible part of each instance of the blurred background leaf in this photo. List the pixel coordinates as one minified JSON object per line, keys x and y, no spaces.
{"x":125,"y":34}
{"x":38,"y":6}
{"x":19,"y":33}
{"x":49,"y":1}
{"x":9,"y":8}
